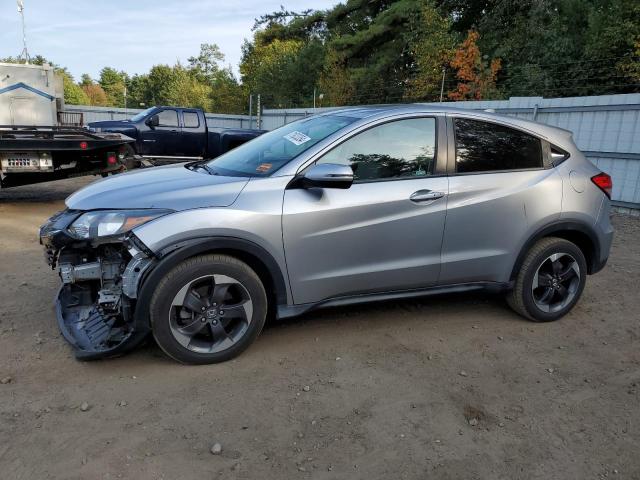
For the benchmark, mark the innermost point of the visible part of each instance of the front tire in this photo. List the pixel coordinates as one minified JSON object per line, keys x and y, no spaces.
{"x":550,"y":281}
{"x":208,"y":309}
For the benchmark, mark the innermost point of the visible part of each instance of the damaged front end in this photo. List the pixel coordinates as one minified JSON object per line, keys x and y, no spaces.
{"x":101,"y":276}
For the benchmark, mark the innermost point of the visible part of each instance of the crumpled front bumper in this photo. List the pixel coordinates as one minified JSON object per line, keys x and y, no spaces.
{"x":95,"y":305}
{"x":87,"y":335}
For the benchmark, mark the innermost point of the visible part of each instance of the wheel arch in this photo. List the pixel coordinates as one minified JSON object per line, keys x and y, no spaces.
{"x":132,"y":146}
{"x":581,"y":234}
{"x":252,"y":254}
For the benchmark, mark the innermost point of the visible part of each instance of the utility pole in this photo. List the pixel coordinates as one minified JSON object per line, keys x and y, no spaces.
{"x":251,"y":110}
{"x":125,"y":100}
{"x":314,"y":98}
{"x":25,"y":52}
{"x":444,"y":71}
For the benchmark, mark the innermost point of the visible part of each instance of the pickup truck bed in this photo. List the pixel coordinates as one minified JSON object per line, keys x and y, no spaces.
{"x":222,"y":140}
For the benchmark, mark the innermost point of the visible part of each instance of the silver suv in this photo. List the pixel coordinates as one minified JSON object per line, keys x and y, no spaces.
{"x":351,"y":206}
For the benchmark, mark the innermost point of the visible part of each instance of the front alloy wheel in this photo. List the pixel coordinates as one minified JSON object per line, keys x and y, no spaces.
{"x":208,"y":309}
{"x":210,"y":314}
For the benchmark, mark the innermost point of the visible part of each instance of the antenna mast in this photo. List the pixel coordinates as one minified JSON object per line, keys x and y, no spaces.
{"x":25,"y":53}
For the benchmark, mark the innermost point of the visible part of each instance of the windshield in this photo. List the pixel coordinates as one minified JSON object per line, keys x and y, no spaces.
{"x":268,"y":152}
{"x":139,"y":116}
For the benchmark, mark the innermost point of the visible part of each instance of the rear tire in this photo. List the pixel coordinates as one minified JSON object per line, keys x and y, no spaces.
{"x":130,"y":161}
{"x":550,"y":281}
{"x":208,"y":309}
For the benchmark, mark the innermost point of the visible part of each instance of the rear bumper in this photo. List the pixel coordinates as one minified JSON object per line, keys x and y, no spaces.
{"x":598,"y":265}
{"x":604,"y":232}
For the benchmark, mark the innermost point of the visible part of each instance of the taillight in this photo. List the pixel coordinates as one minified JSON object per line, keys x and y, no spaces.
{"x":83,"y":145}
{"x":111,"y":158}
{"x":603,"y":182}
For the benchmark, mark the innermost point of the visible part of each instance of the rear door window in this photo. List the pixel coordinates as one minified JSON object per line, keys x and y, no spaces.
{"x":191,"y":119}
{"x":489,"y":147}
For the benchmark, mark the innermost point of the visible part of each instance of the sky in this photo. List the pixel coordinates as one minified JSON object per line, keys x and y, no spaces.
{"x":133,"y":35}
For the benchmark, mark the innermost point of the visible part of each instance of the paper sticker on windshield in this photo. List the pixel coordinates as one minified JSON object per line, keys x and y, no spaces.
{"x":297,"y":138}
{"x":264,"y":167}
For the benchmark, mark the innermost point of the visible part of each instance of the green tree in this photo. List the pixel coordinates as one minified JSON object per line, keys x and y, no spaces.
{"x":631,"y":66}
{"x":560,"y":47}
{"x":286,"y":57}
{"x":373,"y":37}
{"x":187,"y":91}
{"x":159,"y":83}
{"x":113,"y":83}
{"x":85,"y":80}
{"x":335,"y":83}
{"x":269,"y":69}
{"x":37,"y":60}
{"x":431,"y":47}
{"x":177,"y":86}
{"x":614,"y":36}
{"x":207,"y":63}
{"x":73,"y":93}
{"x":226,"y":94}
{"x":139,"y":94}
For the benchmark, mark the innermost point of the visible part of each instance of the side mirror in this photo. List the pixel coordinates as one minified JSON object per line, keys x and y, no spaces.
{"x":153,"y":121}
{"x":328,"y":175}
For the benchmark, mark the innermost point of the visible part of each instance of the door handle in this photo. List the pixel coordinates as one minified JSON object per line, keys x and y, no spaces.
{"x":425,"y":196}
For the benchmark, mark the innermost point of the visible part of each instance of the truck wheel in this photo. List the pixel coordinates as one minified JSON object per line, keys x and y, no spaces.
{"x":208,"y":309}
{"x":550,"y":280}
{"x":130,"y":161}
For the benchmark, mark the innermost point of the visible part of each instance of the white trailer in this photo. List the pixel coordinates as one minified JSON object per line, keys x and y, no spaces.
{"x":30,"y":95}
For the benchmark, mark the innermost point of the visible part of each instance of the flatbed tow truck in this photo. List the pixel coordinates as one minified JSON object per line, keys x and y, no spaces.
{"x":31,"y":154}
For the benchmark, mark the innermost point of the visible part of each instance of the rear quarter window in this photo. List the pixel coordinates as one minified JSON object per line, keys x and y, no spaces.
{"x":489,"y":147}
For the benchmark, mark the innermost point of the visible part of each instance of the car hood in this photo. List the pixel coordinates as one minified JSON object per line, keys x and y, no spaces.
{"x":173,"y":186}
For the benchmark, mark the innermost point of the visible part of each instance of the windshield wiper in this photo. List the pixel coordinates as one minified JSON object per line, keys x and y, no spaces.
{"x":202,"y":164}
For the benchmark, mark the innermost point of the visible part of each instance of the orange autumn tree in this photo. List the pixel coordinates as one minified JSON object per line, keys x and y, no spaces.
{"x":477,"y":80}
{"x":95,"y":94}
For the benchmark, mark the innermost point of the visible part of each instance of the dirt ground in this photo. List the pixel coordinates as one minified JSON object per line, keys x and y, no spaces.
{"x":454,"y":387}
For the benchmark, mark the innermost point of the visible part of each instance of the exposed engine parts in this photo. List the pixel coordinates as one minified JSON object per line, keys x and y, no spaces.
{"x":99,"y":270}
{"x":98,"y":294}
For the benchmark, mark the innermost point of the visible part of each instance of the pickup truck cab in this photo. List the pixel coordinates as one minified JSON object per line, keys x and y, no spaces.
{"x":175,"y":133}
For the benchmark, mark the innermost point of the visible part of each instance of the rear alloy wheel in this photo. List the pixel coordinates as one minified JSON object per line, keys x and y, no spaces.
{"x":550,"y":280}
{"x":556,"y":282}
{"x":208,"y":309}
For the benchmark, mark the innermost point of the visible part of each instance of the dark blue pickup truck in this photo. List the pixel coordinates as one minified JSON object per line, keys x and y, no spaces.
{"x":173,"y":134}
